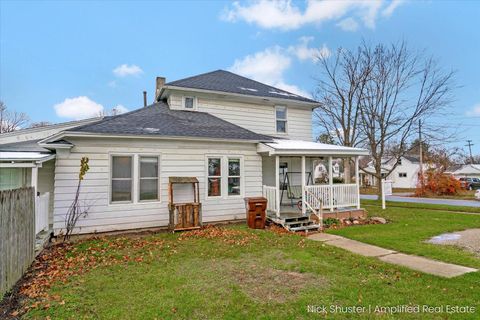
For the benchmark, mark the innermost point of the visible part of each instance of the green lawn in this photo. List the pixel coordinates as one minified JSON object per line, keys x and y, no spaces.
{"x":440,"y":207}
{"x":237,"y":273}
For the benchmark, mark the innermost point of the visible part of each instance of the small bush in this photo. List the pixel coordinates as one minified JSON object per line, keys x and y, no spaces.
{"x":331,"y":222}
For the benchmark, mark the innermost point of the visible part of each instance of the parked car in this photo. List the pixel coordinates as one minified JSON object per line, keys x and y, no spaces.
{"x":470,"y":183}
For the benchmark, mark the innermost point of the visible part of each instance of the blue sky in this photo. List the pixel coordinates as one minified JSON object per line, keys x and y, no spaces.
{"x":65,"y":60}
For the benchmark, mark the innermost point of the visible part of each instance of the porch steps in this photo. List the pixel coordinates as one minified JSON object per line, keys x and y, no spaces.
{"x":301,"y":223}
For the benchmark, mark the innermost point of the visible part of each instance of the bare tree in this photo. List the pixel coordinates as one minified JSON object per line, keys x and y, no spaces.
{"x":403,"y":88}
{"x":11,"y":121}
{"x":340,"y":89}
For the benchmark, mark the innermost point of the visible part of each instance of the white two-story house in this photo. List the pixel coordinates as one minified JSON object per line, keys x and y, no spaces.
{"x":237,"y":137}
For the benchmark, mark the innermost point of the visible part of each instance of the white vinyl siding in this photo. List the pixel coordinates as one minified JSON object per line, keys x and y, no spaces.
{"x":259,"y":118}
{"x":178,"y":158}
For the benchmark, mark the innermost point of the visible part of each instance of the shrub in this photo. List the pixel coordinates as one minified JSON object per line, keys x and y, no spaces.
{"x":437,"y":183}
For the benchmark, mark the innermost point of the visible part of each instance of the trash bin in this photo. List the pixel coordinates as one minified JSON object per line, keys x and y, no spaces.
{"x":256,"y":207}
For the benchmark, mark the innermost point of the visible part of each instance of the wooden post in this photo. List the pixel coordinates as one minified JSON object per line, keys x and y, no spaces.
{"x":357,"y":180}
{"x":304,"y":206}
{"x":330,"y":182}
{"x":277,"y":186}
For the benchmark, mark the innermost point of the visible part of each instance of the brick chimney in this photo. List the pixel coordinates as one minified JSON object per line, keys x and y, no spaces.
{"x":159,"y":85}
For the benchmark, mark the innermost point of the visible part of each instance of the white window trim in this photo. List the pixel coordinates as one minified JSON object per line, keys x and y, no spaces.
{"x":194,"y":103}
{"x":224,"y":177}
{"x":159,"y":194}
{"x":286,"y":119}
{"x":135,"y":179}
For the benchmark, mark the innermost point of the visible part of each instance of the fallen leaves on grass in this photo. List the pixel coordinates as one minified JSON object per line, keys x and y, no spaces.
{"x":227,"y":235}
{"x":60,"y":262}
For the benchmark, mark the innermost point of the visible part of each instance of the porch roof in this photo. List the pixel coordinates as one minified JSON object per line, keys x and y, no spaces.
{"x":26,"y":156}
{"x":307,"y":148}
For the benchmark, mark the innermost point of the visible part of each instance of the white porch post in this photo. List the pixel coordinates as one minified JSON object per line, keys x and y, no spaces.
{"x":357,"y":180}
{"x":35,"y":179}
{"x":330,"y":182}
{"x":277,"y":185}
{"x":304,"y":206}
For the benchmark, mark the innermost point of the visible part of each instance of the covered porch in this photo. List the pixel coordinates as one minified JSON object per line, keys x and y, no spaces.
{"x":302,"y":178}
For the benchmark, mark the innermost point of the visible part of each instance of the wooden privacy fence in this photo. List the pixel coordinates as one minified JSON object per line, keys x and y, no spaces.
{"x":17,"y":235}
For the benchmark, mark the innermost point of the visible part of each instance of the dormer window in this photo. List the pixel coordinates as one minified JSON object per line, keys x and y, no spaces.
{"x":281,"y":119}
{"x":189,"y":103}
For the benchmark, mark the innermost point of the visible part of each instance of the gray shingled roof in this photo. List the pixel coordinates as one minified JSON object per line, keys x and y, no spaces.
{"x":225,"y":81}
{"x":23,"y":146}
{"x":158,"y":120}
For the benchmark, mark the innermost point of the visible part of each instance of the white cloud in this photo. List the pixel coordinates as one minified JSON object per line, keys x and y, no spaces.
{"x":125,"y":70}
{"x":475,"y":110}
{"x":348,"y":24}
{"x":78,"y":108}
{"x":303,"y":52}
{"x":268,"y":66}
{"x":388,"y":11}
{"x":265,"y":66}
{"x":119,"y":109}
{"x":285,"y":15}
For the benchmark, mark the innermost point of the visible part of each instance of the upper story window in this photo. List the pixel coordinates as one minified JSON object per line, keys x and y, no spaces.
{"x":281,"y":119}
{"x":189,"y":103}
{"x":402,"y":174}
{"x":399,"y":162}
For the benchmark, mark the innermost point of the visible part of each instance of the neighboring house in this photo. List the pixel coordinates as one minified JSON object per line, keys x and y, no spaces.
{"x":405,"y":175}
{"x":231,"y":133}
{"x":465,"y":171}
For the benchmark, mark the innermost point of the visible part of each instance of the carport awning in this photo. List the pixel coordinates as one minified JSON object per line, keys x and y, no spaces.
{"x":38,"y":157}
{"x":306,"y":148}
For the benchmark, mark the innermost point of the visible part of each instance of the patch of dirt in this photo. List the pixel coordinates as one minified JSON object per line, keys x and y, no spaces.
{"x":255,"y":276}
{"x":468,"y":239}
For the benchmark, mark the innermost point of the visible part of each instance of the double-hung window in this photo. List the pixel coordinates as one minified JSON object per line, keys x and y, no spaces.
{"x":281,"y":119}
{"x":234,"y":177}
{"x":148,"y":180}
{"x":224,"y":176}
{"x":122,"y":172}
{"x":214,"y":177}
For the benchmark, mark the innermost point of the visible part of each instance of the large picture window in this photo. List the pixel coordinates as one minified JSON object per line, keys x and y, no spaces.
{"x":148,"y":180}
{"x":214,"y":177}
{"x":122,"y":169}
{"x":281,"y":119}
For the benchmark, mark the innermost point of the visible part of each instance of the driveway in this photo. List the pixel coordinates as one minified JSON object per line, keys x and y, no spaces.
{"x":467,"y":203}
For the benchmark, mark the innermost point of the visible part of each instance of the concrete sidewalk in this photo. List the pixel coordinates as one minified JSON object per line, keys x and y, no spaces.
{"x":422,"y":264}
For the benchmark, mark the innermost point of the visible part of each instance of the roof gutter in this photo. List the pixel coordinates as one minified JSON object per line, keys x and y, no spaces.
{"x":44,"y":143}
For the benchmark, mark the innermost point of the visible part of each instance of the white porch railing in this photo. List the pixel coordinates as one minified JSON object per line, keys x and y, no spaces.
{"x":270,"y":194}
{"x":335,"y":196}
{"x":41,"y":212}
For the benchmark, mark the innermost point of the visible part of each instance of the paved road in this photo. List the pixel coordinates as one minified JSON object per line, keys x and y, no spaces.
{"x":467,"y":203}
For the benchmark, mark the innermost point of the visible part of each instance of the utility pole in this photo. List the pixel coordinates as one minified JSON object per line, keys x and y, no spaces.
{"x":469,"y":145}
{"x":421,"y":152}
